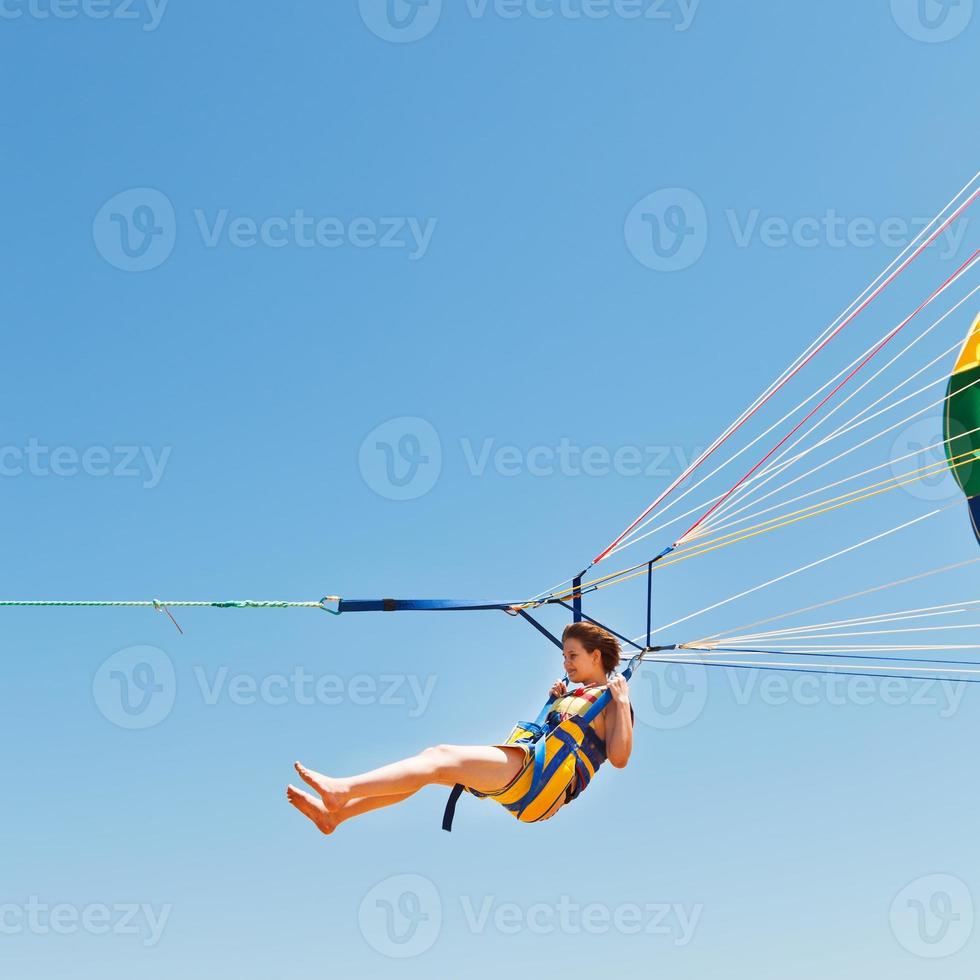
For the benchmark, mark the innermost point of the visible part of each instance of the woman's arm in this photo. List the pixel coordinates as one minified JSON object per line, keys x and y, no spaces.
{"x":619,"y":723}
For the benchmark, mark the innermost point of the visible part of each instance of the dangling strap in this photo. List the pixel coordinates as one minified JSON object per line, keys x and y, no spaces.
{"x":450,"y":811}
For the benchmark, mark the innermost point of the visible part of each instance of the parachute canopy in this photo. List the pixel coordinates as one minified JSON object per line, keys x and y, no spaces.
{"x":961,"y":423}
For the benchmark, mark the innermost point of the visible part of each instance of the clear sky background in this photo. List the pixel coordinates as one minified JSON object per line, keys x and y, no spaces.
{"x":240,"y":237}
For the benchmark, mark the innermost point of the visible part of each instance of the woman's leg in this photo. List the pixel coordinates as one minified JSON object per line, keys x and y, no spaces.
{"x":485,"y":768}
{"x":328,"y":821}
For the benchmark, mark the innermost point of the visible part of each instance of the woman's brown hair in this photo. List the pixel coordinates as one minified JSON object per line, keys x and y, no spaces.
{"x":596,"y":638}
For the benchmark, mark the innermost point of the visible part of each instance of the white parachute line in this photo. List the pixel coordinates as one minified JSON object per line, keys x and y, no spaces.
{"x":814,"y":510}
{"x":857,"y":651}
{"x":915,"y":374}
{"x":902,"y":616}
{"x":889,"y":632}
{"x":779,"y":464}
{"x":693,"y":510}
{"x":955,"y":609}
{"x":896,"y":583}
{"x":942,"y":380}
{"x":870,"y":439}
{"x":966,"y":192}
{"x":637,"y":537}
{"x":847,"y":479}
{"x":707,"y":655}
{"x":803,"y":568}
{"x":843,"y":429}
{"x":830,"y":668}
{"x":897,"y":480}
{"x":849,"y":424}
{"x":877,"y":374}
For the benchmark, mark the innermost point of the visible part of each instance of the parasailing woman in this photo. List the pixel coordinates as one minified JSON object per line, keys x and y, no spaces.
{"x":541,"y":767}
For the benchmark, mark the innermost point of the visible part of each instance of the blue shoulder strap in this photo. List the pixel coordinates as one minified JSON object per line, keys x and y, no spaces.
{"x":587,"y":717}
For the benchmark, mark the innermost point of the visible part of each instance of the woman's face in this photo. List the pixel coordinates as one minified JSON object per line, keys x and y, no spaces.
{"x":579,"y":663}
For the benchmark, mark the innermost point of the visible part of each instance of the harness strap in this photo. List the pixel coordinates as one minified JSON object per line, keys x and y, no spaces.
{"x":450,"y":812}
{"x":538,"y":777}
{"x":540,"y":774}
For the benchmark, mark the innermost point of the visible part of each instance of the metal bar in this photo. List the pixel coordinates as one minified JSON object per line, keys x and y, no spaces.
{"x":551,"y":636}
{"x":649,"y":599}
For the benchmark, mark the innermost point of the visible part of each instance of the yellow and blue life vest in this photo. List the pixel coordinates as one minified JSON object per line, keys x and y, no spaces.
{"x":563,"y":754}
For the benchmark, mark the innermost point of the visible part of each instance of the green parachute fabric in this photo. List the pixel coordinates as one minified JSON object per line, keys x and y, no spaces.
{"x":961,"y":423}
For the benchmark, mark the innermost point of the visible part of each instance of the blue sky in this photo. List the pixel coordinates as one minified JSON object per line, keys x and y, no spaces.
{"x":367,"y":300}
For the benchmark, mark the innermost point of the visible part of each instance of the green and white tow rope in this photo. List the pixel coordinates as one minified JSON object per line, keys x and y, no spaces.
{"x":165,"y":606}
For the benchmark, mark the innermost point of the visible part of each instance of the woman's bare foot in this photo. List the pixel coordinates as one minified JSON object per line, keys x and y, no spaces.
{"x":311,"y":807}
{"x":333,"y":792}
